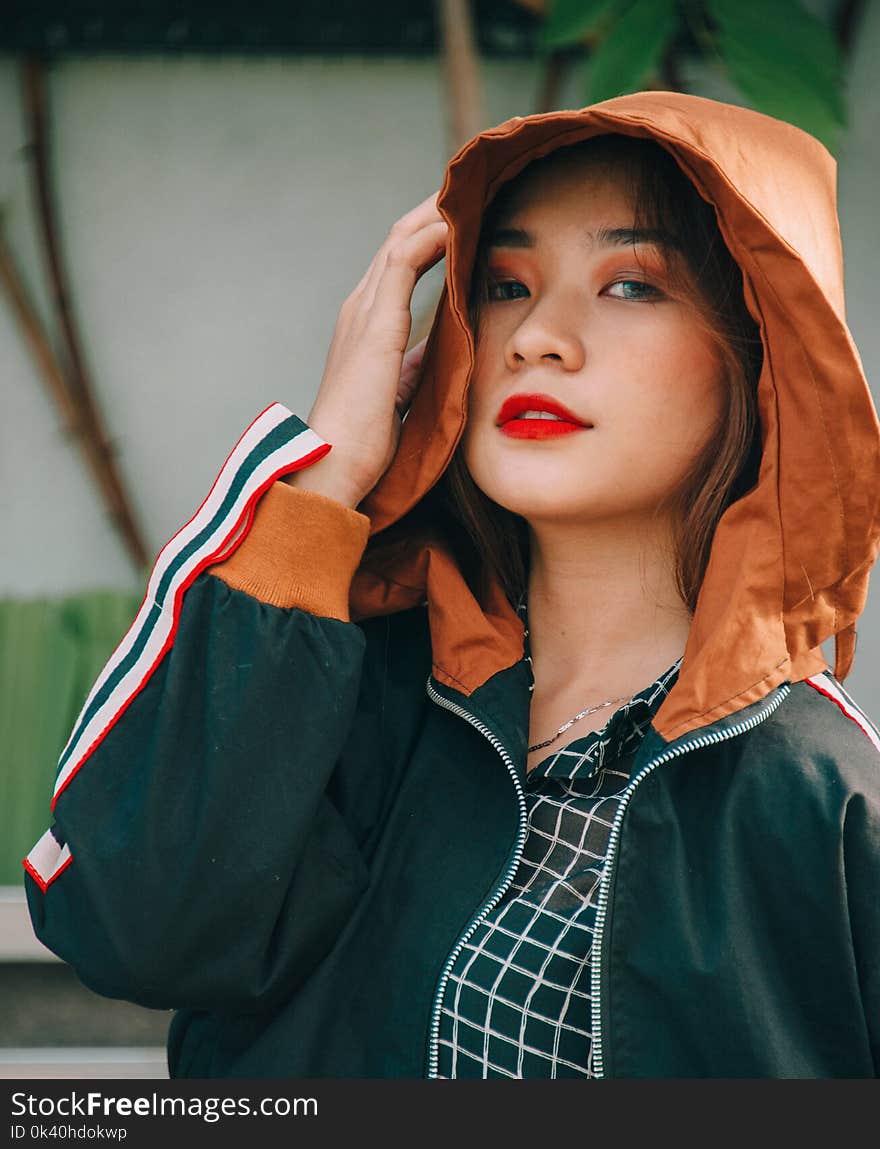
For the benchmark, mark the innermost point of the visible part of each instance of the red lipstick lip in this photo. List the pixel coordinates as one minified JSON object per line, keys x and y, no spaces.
{"x":516,"y":404}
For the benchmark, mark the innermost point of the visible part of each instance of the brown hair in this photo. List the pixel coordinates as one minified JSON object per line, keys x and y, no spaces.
{"x":489,"y":539}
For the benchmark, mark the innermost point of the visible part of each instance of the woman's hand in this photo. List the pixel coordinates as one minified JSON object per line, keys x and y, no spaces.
{"x":369,"y":379}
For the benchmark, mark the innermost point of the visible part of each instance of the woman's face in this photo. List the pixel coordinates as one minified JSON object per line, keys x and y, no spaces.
{"x":578,"y":323}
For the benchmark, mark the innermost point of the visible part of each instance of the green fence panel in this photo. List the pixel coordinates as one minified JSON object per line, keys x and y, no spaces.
{"x":51,"y":651}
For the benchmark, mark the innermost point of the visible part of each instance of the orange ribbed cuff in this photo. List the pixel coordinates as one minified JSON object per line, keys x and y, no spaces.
{"x":301,"y":551}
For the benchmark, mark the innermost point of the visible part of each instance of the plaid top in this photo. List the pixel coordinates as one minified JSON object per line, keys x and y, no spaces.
{"x":518,"y":1002}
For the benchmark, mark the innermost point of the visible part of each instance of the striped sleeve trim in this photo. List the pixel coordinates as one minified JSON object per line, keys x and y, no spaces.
{"x":832,"y":690}
{"x":47,"y":860}
{"x":277,"y":443}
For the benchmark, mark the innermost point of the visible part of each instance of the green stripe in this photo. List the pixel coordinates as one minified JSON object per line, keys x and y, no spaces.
{"x":285,"y":432}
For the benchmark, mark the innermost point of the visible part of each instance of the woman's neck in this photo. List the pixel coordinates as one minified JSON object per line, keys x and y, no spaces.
{"x":603,"y":605}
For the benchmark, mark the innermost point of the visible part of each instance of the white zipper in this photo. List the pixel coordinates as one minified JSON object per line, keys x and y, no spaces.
{"x":598,"y":1055}
{"x":498,"y":893}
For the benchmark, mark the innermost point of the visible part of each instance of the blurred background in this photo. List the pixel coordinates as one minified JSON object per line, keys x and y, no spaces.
{"x":188,"y":191}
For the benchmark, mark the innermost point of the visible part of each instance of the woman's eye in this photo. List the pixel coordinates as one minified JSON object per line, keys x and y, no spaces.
{"x":634,"y":290}
{"x":503,"y":289}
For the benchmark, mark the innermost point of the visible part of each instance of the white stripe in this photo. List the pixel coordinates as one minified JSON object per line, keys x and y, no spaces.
{"x":850,"y":708}
{"x":298,"y":448}
{"x":234,"y":539}
{"x":262,"y":426}
{"x":47,"y":857}
{"x":301,"y":445}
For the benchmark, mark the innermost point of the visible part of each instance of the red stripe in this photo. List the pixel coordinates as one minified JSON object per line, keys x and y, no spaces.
{"x":840,"y":707}
{"x":45,"y":883}
{"x":247,"y":514}
{"x":187,"y":523}
{"x":251,"y":511}
{"x":216,"y":481}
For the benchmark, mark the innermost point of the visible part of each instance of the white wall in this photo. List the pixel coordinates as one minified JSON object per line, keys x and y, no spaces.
{"x":215,"y":213}
{"x":858,"y":194}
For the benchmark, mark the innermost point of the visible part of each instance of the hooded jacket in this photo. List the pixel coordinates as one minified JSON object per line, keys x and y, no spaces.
{"x":296,"y":788}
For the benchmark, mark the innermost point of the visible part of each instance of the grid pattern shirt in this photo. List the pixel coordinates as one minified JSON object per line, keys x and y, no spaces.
{"x":518,"y":1000}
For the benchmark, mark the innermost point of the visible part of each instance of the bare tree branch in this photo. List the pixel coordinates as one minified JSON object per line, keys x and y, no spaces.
{"x":465,"y":103}
{"x":87,"y":422}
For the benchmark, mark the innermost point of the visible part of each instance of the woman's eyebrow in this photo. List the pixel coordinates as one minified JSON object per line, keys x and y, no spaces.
{"x":604,"y":237}
{"x":511,"y":237}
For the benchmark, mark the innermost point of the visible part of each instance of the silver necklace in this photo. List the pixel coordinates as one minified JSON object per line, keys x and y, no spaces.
{"x":583,"y":714}
{"x":577,"y":718}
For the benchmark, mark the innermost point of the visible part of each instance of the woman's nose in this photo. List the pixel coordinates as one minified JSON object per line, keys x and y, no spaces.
{"x":546,"y":335}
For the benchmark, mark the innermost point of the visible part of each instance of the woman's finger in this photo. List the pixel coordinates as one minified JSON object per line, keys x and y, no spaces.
{"x":405,"y":264}
{"x":410,"y":374}
{"x":425,"y":215}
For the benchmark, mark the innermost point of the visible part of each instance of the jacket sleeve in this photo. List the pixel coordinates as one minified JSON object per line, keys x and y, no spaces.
{"x":861,"y":858}
{"x":195,"y":858}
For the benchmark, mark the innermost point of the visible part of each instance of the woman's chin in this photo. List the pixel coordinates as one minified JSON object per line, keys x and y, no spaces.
{"x":537,"y":487}
{"x":543,"y":503}
{"x":572,"y":504}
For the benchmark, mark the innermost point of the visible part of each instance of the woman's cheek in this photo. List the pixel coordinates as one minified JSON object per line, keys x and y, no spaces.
{"x":474,"y":444}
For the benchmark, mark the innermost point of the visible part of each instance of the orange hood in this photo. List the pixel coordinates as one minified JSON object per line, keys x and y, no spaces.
{"x":790,"y":560}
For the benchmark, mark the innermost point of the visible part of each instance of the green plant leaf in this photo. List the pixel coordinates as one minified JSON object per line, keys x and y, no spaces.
{"x":570,"y":20}
{"x":785,"y":62}
{"x":633,"y":48}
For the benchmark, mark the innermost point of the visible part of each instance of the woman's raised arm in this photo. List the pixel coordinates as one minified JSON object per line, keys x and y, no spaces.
{"x":195,"y":858}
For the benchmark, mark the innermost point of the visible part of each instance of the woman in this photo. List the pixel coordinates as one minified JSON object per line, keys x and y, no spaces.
{"x":638,"y":836}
